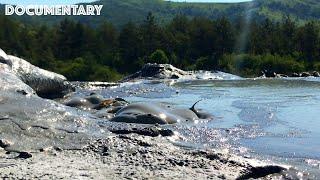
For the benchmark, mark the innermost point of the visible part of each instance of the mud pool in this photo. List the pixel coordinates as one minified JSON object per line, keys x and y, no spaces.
{"x":274,"y":119}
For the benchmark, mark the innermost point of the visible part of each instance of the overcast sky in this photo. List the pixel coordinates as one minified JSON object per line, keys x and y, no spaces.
{"x":51,"y":2}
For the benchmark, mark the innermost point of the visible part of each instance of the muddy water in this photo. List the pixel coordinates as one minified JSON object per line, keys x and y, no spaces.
{"x":274,"y":119}
{"x":269,"y":119}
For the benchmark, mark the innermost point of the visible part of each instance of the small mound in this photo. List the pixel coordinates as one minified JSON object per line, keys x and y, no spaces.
{"x":167,"y":71}
{"x":156,"y":71}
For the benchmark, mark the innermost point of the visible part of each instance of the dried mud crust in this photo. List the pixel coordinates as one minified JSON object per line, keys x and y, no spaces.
{"x":128,"y":157}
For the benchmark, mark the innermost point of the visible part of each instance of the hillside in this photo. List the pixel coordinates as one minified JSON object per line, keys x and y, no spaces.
{"x":301,"y":10}
{"x":120,"y":12}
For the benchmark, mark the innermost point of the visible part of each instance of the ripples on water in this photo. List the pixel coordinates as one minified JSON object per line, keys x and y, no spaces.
{"x":277,"y":119}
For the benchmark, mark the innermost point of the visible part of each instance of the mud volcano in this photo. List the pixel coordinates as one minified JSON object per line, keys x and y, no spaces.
{"x":92,"y":136}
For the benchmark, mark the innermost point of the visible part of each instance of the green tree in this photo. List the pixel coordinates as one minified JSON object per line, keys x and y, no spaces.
{"x":104,"y":73}
{"x":202,"y":37}
{"x":150,"y":34}
{"x":130,"y":48}
{"x":308,"y":41}
{"x":225,"y":38}
{"x":159,"y":57}
{"x":107,"y":40}
{"x":288,"y":30}
{"x":179,"y":28}
{"x":65,"y":39}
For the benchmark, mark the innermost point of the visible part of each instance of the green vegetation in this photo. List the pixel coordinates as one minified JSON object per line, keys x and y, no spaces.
{"x":300,"y":10}
{"x":120,"y":12}
{"x":251,"y":65}
{"x":105,"y":53}
{"x":158,"y":57}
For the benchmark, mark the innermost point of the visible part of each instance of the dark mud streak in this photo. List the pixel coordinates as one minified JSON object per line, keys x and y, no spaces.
{"x":67,"y":131}
{"x":14,"y":122}
{"x":6,"y":165}
{"x":20,"y":126}
{"x":41,"y":127}
{"x":153,"y":132}
{"x":217,"y":157}
{"x":24,"y":155}
{"x":260,"y":172}
{"x":4,"y":118}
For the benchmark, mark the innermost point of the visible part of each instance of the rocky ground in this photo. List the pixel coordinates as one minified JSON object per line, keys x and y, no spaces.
{"x":133,"y":156}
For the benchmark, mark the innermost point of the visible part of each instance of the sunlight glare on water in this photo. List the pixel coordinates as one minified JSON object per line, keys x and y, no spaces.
{"x":274,"y":118}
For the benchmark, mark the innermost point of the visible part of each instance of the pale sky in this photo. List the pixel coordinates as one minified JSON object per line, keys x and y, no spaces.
{"x":224,"y":1}
{"x":43,"y":2}
{"x":52,"y":2}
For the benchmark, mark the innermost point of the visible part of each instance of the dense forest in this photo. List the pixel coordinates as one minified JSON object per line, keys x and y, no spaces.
{"x":104,"y":53}
{"x":135,"y":11}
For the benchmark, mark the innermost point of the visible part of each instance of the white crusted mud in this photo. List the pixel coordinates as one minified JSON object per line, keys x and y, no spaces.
{"x":45,"y":83}
{"x":167,"y":71}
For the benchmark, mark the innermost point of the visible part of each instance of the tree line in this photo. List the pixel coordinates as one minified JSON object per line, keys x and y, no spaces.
{"x":105,"y":53}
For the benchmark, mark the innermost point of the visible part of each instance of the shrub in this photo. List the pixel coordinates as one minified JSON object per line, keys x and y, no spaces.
{"x":104,"y":73}
{"x":159,"y":57}
{"x":74,"y":70}
{"x":316,"y":66}
{"x":202,"y":63}
{"x":252,"y":65}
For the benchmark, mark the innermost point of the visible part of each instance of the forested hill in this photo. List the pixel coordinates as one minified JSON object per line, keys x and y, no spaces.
{"x":111,"y":47}
{"x":119,"y":12}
